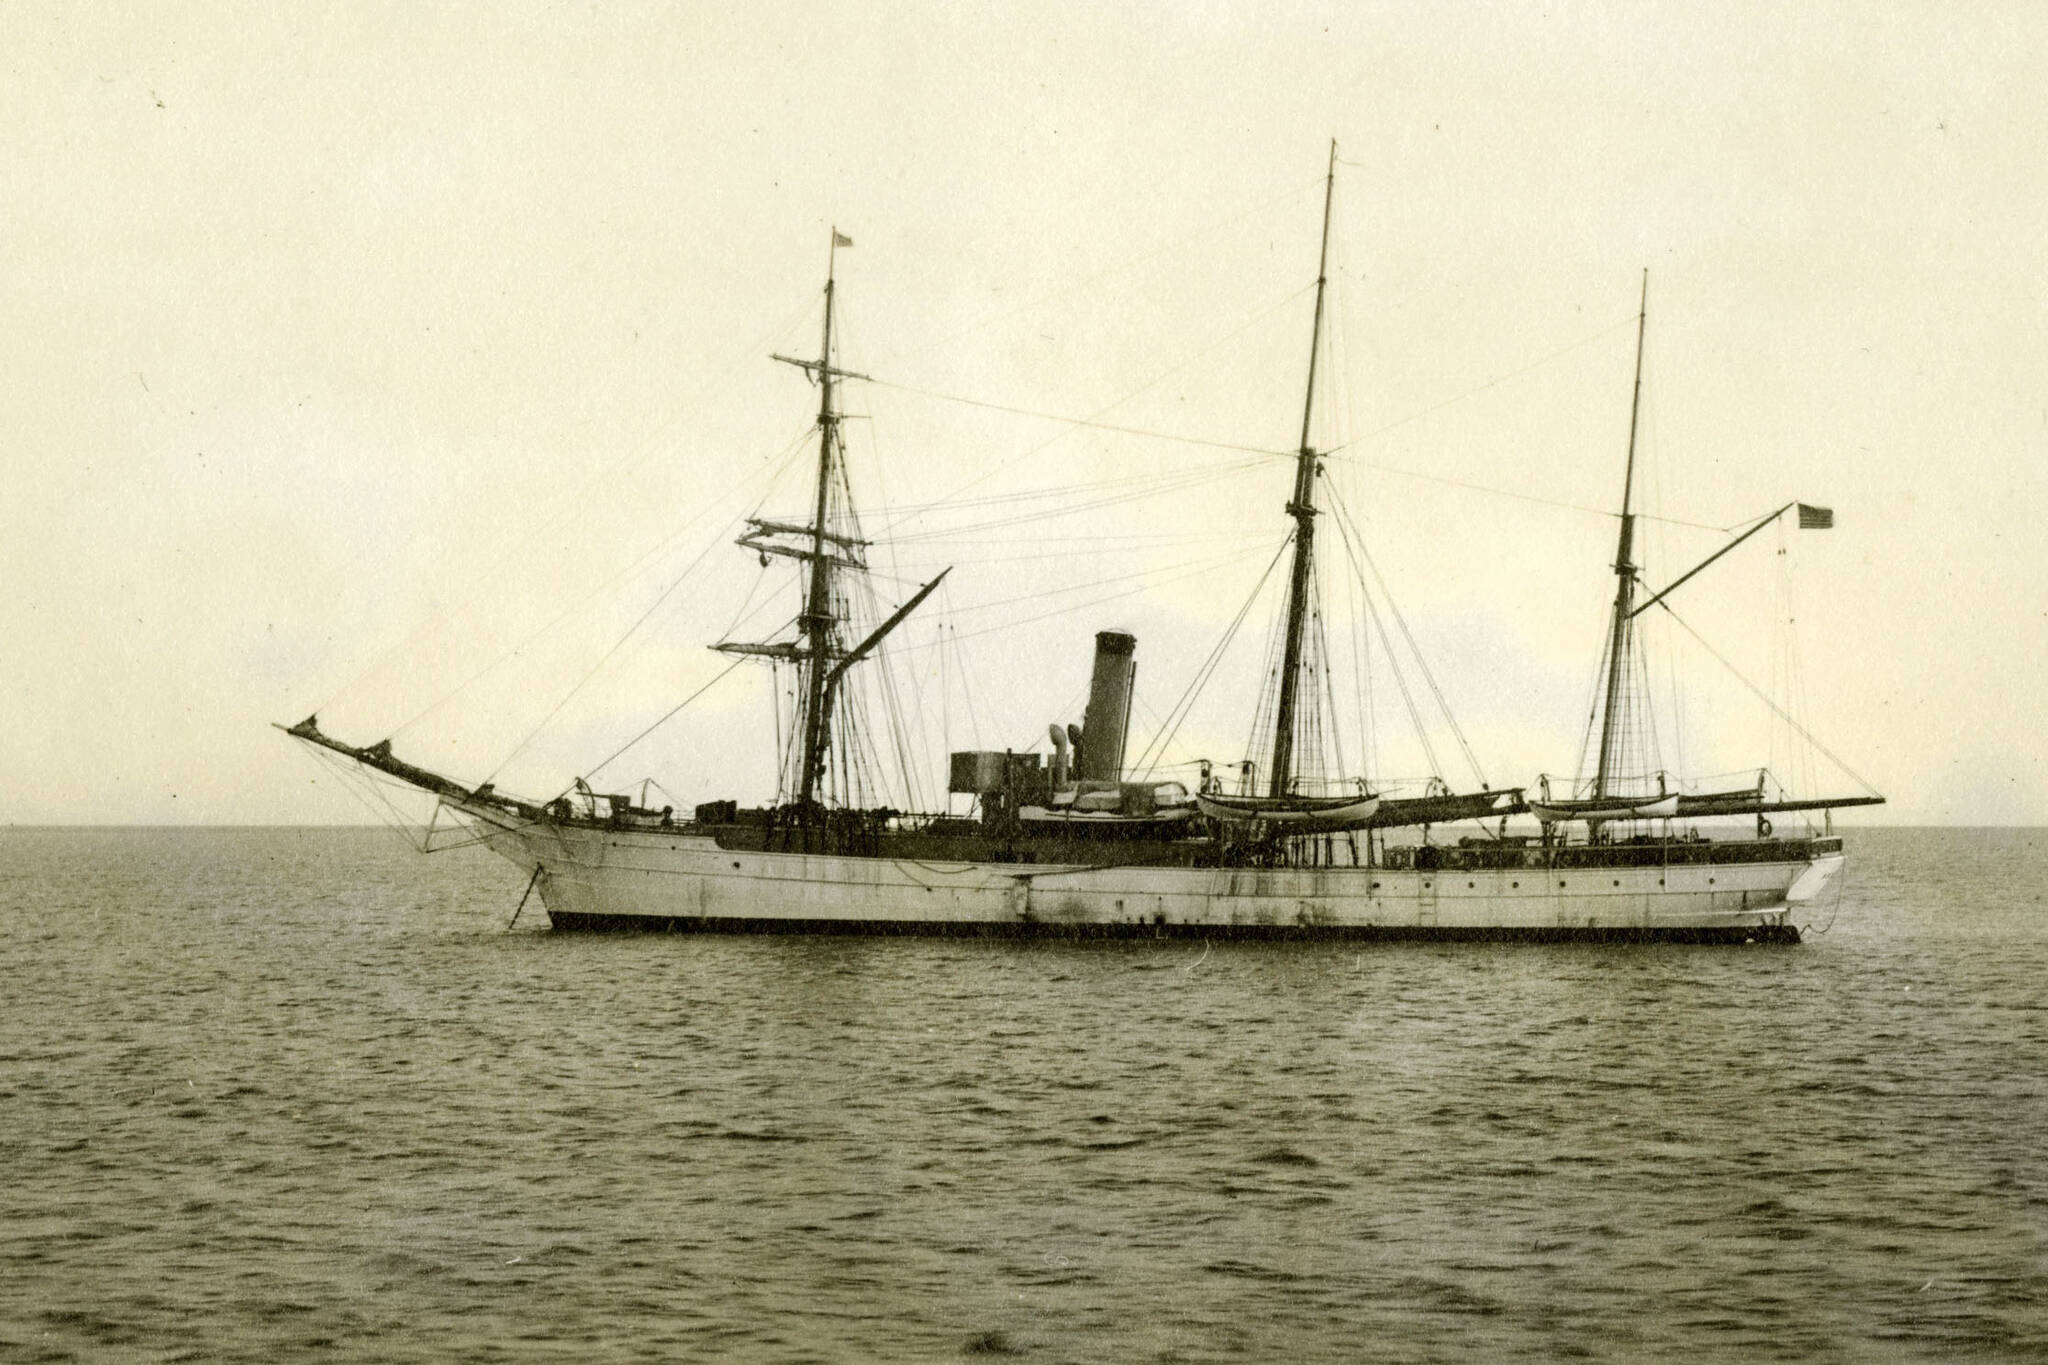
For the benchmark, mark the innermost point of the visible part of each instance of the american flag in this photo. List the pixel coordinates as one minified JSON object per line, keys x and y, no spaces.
{"x":1816,"y":518}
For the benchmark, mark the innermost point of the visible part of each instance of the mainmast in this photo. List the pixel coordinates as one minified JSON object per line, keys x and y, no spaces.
{"x":1302,"y":507}
{"x":1624,"y":572}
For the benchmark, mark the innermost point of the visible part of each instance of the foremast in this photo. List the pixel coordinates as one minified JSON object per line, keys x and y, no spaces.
{"x":1302,"y":507}
{"x":816,"y":621}
{"x":818,"y":651}
{"x":822,"y":651}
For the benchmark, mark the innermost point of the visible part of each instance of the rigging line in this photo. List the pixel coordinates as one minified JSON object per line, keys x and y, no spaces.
{"x":606,"y":472}
{"x":1166,"y":475}
{"x":1159,"y":378}
{"x":1747,"y":523}
{"x":1609,"y":512}
{"x":1113,"y":500}
{"x":1071,"y":553}
{"x":1148,"y":758}
{"x":755,"y":615}
{"x":1194,"y":480}
{"x":796,"y":443}
{"x":1407,"y":695}
{"x":1174,"y":243}
{"x":357,"y":783}
{"x":777,"y":463}
{"x":1209,"y":567}
{"x":1087,"y":422}
{"x":1776,"y":709}
{"x":1179,"y":481}
{"x":1334,"y":451}
{"x":1352,"y":551}
{"x":1474,"y":392}
{"x":1071,"y":706}
{"x":666,"y":717}
{"x":1329,"y":672}
{"x":1107,"y":538}
{"x":606,"y":658}
{"x":745,"y":602}
{"x":1345,"y":519}
{"x":1165,"y":480}
{"x":1591,"y":706}
{"x":1142,"y":574}
{"x":1481,"y":488}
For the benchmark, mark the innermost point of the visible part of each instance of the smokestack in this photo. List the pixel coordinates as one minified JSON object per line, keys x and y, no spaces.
{"x":1059,"y":756}
{"x":1108,"y":717}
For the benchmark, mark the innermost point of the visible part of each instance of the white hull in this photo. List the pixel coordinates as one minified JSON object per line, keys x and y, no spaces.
{"x":624,"y":878}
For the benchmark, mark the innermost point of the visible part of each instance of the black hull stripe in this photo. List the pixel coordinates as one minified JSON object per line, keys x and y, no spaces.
{"x":1250,"y":933}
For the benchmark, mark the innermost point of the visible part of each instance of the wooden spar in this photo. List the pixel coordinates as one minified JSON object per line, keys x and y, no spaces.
{"x":1681,"y":579}
{"x":816,"y":621}
{"x":1731,"y":803}
{"x":379,"y":757}
{"x":1624,"y":570}
{"x":865,"y":647}
{"x":1303,"y":509}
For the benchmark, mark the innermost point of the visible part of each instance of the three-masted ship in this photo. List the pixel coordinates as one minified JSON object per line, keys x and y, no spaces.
{"x":1075,"y":846}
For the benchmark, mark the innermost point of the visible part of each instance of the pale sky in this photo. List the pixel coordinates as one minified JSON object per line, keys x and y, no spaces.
{"x":347,"y":347}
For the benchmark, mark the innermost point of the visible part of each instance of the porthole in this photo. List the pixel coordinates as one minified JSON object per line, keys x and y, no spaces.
{"x":1560,"y":886}
{"x":1514,"y":883}
{"x":1471,"y":883}
{"x":1617,"y":881}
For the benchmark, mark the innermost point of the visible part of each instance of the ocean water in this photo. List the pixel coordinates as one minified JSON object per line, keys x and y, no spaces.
{"x":298,"y":1094}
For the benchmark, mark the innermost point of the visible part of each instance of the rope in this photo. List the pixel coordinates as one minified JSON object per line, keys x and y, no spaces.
{"x":1497,"y":380}
{"x":1207,"y":567}
{"x":948,"y":339}
{"x":1173,"y":484}
{"x":1159,"y":378}
{"x":596,"y":668}
{"x":666,"y":717}
{"x":607,"y":472}
{"x":1776,"y":709}
{"x":1354,"y":540}
{"x":779,"y":461}
{"x":1087,"y":422}
{"x":1141,"y":575}
{"x":1148,"y":759}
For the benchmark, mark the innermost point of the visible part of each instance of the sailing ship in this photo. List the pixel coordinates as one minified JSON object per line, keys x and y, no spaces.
{"x":1078,"y":847}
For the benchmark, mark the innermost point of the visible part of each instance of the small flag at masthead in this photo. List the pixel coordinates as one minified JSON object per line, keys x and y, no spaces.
{"x":1816,"y":518}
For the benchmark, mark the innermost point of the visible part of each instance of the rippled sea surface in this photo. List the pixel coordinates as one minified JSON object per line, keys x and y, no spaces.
{"x":279,"y":1094}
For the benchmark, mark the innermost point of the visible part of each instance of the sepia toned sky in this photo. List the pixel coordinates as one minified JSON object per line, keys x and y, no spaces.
{"x":397,"y":360}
